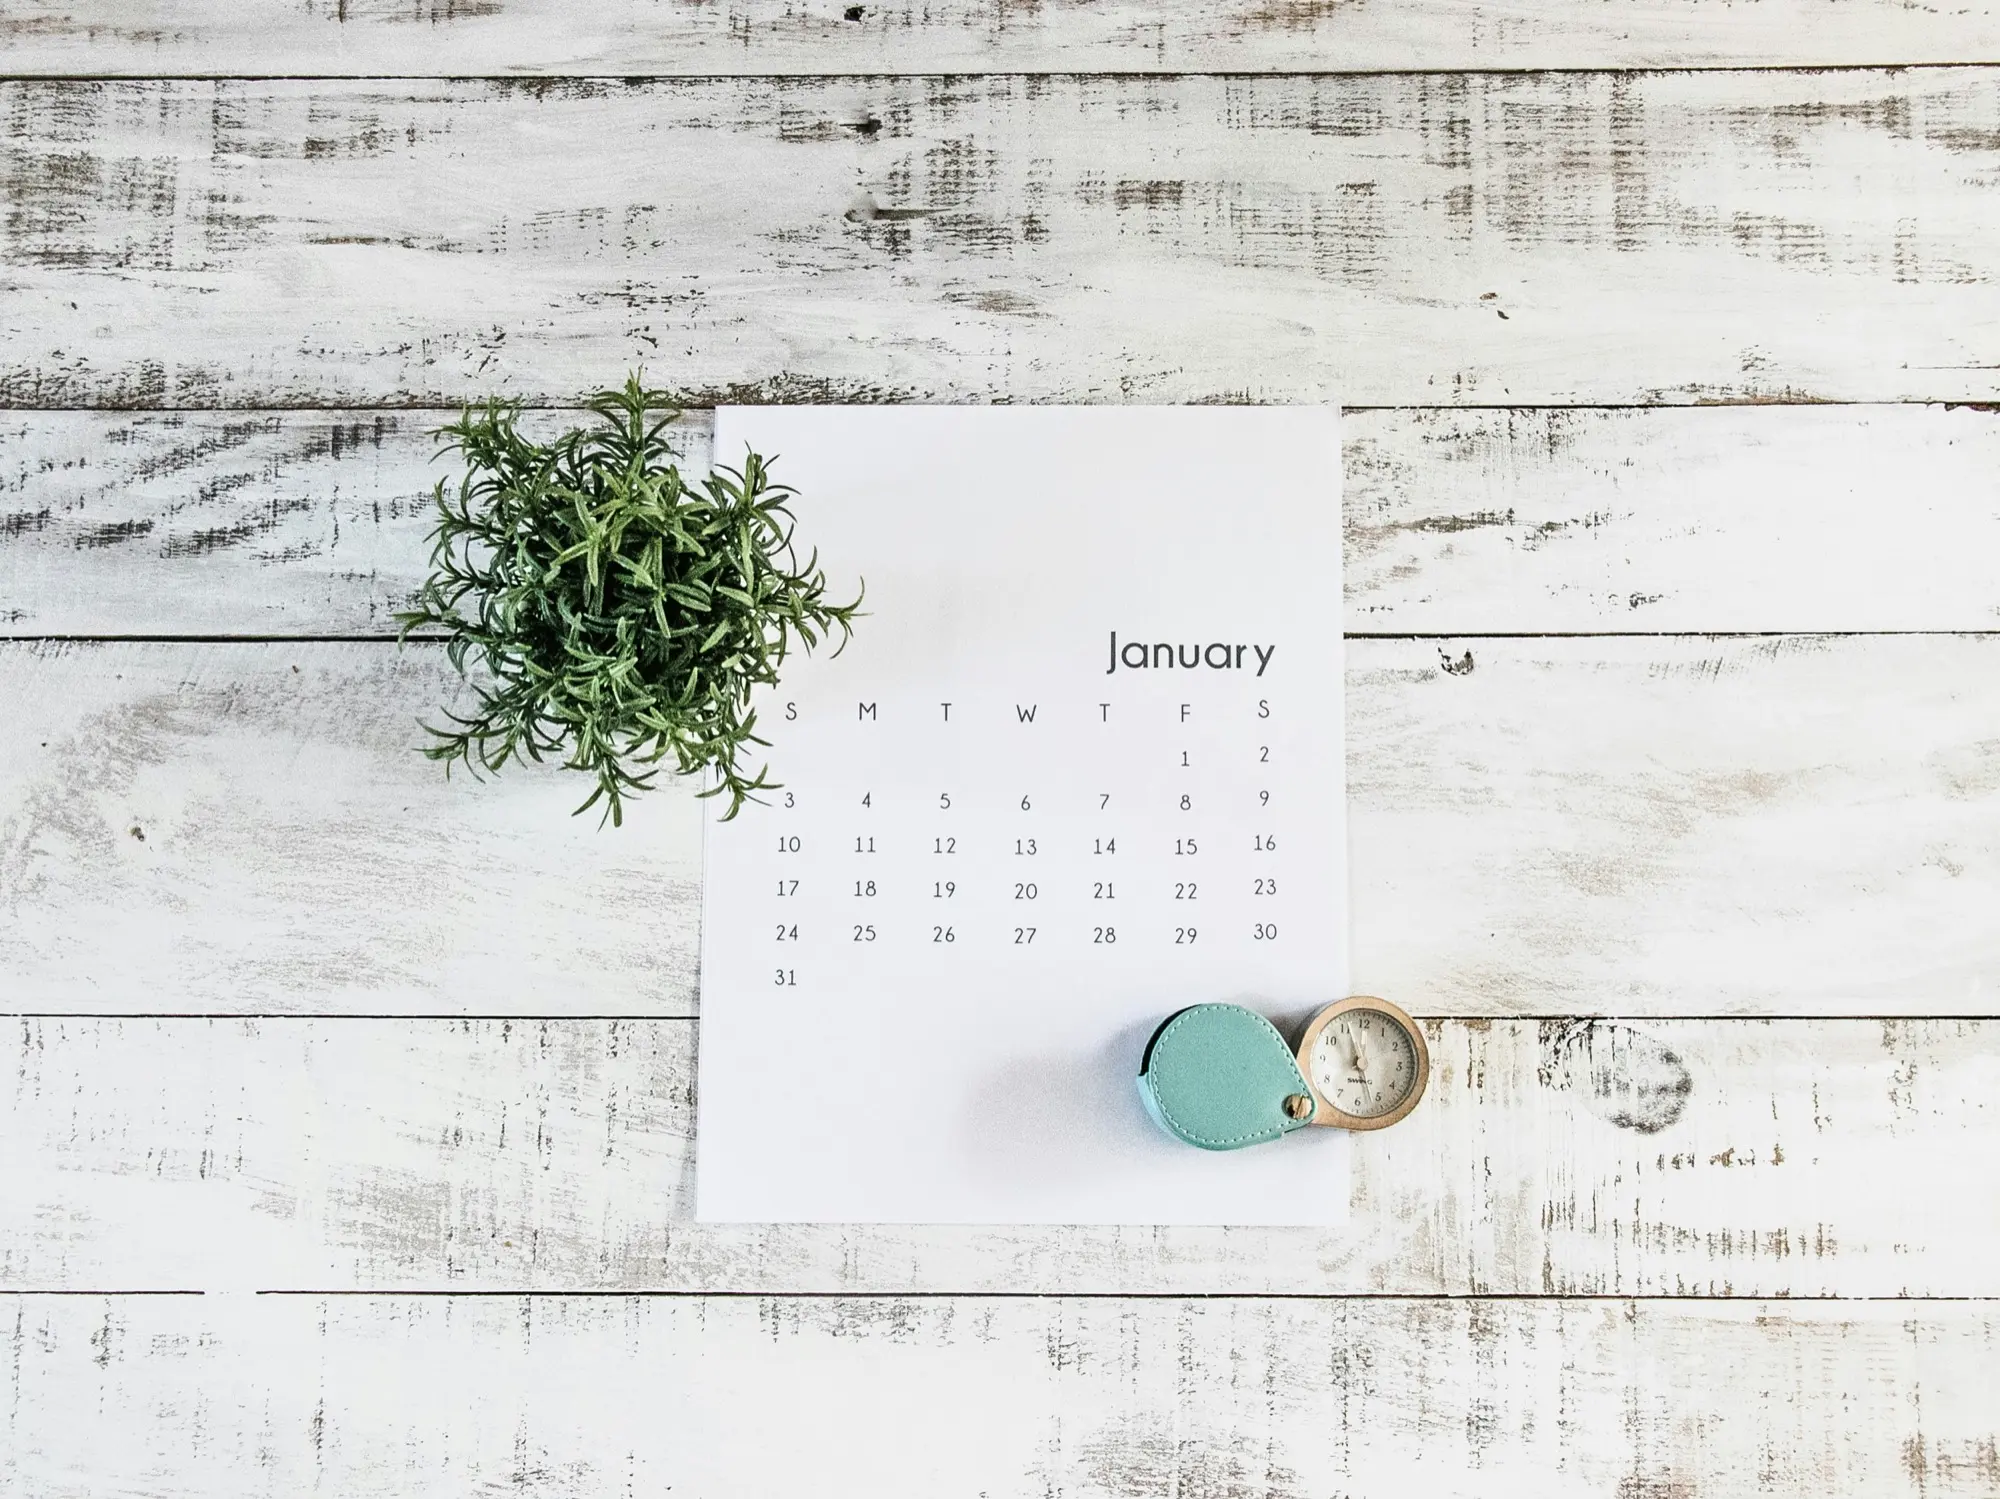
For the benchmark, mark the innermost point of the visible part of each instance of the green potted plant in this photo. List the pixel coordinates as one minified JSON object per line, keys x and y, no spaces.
{"x":605,"y":608}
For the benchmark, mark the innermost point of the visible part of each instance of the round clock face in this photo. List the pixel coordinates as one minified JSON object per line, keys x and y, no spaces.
{"x":1364,"y":1063}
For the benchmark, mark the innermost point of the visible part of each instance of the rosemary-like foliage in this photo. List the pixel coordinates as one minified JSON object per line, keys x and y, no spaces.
{"x":618,"y":615}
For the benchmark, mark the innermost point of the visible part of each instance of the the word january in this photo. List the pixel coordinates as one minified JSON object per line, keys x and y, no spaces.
{"x":1135,"y":655}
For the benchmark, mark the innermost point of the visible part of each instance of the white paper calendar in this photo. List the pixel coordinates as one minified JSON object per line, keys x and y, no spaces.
{"x":1081,"y":765}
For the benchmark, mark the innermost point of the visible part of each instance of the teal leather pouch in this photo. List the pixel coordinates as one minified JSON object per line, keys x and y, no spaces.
{"x":1221,"y":1077}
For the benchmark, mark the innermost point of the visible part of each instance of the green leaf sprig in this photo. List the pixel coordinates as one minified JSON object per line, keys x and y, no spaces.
{"x":618,"y":615}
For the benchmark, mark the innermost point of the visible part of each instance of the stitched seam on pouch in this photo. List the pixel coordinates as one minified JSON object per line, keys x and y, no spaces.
{"x":1168,"y":1113}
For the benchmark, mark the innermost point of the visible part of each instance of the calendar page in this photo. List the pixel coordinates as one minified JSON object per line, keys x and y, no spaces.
{"x":1080,"y":766}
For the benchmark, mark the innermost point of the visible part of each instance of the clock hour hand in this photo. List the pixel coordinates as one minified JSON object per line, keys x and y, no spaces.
{"x":1357,"y":1059}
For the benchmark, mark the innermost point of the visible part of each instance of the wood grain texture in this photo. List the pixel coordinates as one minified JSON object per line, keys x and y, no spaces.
{"x":633,"y":37}
{"x":1657,"y":1158}
{"x":198,"y":522}
{"x":573,"y":1398}
{"x":1640,"y":825}
{"x":1749,"y":518}
{"x":1465,"y":521}
{"x":1382,"y":240}
{"x":249,"y":828}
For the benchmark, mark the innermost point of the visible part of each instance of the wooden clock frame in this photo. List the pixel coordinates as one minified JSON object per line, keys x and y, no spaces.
{"x":1326,"y":1113}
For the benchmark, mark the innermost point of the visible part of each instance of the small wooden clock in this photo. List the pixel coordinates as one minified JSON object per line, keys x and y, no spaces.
{"x":1366,"y":1063}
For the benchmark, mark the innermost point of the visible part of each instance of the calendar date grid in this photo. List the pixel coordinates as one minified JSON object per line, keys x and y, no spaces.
{"x":1190,"y":854}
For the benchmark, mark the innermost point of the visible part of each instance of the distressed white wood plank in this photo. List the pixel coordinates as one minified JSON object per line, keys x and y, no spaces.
{"x":1748,"y":518}
{"x":1472,"y":521}
{"x":1796,"y":825}
{"x":1637,"y":825}
{"x":249,"y":828}
{"x":628,"y":38}
{"x":1380,"y":240}
{"x":574,"y":1398}
{"x":192,"y":522}
{"x":1685,"y":1158}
